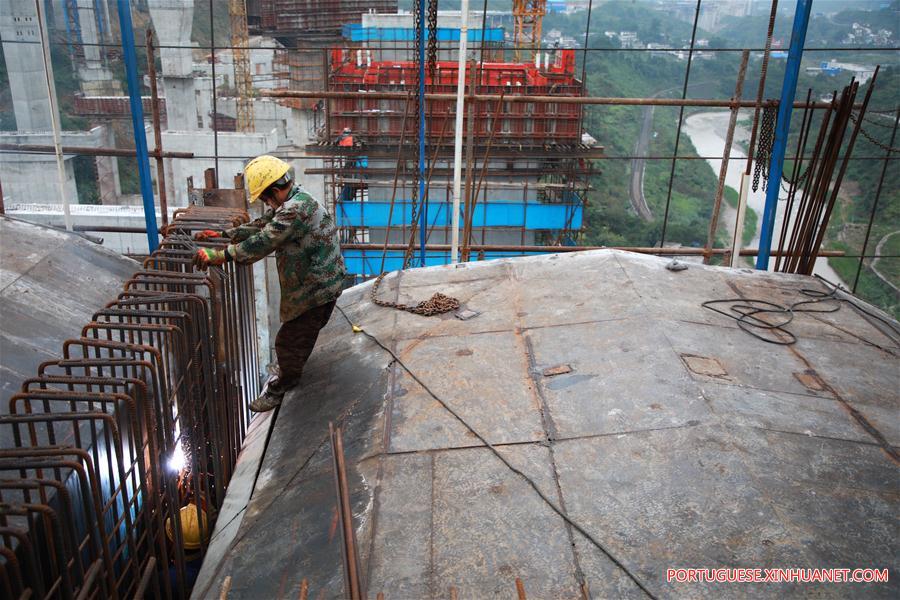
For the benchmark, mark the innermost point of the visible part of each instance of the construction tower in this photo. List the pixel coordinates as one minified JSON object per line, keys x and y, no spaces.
{"x":243,"y":83}
{"x":528,"y":16}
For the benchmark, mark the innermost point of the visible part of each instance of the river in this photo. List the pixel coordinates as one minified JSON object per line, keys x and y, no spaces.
{"x":707,"y":132}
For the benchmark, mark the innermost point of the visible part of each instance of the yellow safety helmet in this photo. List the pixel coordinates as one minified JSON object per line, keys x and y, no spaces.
{"x":190,"y":527}
{"x":263,"y":171}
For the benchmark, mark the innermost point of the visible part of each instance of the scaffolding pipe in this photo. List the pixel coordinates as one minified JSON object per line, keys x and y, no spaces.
{"x":457,"y":140}
{"x":88,"y":151}
{"x":591,"y":100}
{"x":782,"y":127}
{"x":137,"y":121}
{"x":726,"y":155}
{"x":668,"y":251}
{"x":54,"y":114}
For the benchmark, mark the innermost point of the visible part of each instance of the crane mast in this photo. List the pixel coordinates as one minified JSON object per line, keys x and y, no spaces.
{"x":243,"y":81}
{"x":528,"y":16}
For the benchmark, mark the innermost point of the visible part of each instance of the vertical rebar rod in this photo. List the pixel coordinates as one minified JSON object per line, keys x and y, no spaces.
{"x":587,"y":33}
{"x":345,"y":514}
{"x":843,"y":170}
{"x":520,"y":590}
{"x":687,"y":76}
{"x":401,"y":165}
{"x":327,"y":75}
{"x":157,"y":134}
{"x":805,"y":127}
{"x":212,"y":61}
{"x":884,"y":167}
{"x":808,"y":191}
{"x":431,"y":166}
{"x":54,"y":114}
{"x":824,"y":171}
{"x":467,"y":229}
{"x":470,"y":150}
{"x":726,"y":156}
{"x":761,"y":88}
{"x":481,"y":45}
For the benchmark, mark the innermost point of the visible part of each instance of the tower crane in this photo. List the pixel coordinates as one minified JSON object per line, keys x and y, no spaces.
{"x":240,"y":52}
{"x":528,"y":16}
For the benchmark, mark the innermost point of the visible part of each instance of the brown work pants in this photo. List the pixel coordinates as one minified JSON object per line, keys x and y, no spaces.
{"x":295,"y":341}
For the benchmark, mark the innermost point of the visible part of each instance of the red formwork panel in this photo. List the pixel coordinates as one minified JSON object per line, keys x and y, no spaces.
{"x":519,"y":123}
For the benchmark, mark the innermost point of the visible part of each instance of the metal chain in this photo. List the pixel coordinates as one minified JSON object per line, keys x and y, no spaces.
{"x":764,"y":147}
{"x":800,"y":181}
{"x":872,"y":121}
{"x":414,"y":197}
{"x":869,"y":137}
{"x":436,"y":305}
{"x":431,"y":57}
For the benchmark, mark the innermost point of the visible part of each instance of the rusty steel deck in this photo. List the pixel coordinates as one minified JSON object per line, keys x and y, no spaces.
{"x":656,"y":434}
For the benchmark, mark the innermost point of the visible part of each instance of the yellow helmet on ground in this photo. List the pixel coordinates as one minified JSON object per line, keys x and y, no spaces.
{"x":191,"y":528}
{"x":263,"y":171}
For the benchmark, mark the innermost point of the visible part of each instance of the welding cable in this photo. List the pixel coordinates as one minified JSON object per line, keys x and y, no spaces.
{"x":579,"y":528}
{"x":848,"y":297}
{"x":749,"y":313}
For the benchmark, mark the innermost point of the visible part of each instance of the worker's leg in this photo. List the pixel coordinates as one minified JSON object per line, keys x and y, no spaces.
{"x":295,"y":342}
{"x":293,"y":345}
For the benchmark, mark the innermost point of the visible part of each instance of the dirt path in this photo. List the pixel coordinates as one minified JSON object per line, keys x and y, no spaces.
{"x":874,"y":264}
{"x":639,"y":165}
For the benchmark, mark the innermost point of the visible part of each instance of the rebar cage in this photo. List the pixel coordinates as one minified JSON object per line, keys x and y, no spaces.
{"x":141,"y":415}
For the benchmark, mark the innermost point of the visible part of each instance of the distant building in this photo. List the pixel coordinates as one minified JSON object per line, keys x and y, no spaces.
{"x":628,"y":39}
{"x":556,"y":6}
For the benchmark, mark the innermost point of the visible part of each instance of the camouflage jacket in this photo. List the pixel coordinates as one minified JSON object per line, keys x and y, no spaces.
{"x":304,"y":239}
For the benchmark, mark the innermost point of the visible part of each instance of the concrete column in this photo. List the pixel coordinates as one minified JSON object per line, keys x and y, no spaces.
{"x":108,"y":184}
{"x":172,"y":20}
{"x":22,"y":50}
{"x":95,"y":79}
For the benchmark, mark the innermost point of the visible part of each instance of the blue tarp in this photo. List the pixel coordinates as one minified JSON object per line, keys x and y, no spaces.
{"x":368,"y":262}
{"x":357,"y":33}
{"x":531,"y":215}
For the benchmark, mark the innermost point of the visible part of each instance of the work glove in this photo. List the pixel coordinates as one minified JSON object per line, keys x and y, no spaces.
{"x":209,"y":256}
{"x":206,"y":234}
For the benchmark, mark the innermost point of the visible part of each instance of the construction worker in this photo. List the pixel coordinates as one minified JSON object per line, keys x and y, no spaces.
{"x":194,"y":533}
{"x":303,"y":236}
{"x":348,"y":191}
{"x":346,"y":139}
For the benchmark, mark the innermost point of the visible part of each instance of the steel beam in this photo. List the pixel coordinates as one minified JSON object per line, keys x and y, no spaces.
{"x":782,"y":128}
